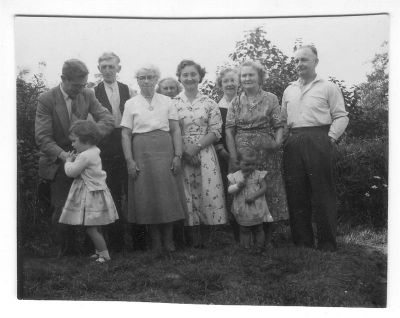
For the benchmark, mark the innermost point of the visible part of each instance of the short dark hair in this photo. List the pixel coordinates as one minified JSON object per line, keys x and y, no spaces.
{"x":184,"y":63}
{"x":246,"y":152}
{"x":87,"y":131}
{"x":311,"y":47}
{"x":73,"y":69}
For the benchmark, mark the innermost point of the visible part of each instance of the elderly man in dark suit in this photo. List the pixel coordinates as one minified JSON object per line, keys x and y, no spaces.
{"x":113,"y":95}
{"x":56,"y":110}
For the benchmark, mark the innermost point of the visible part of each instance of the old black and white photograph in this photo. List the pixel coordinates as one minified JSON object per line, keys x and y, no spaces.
{"x":236,"y":159}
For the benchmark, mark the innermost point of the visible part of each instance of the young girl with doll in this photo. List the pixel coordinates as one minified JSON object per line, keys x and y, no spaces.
{"x":89,"y":201}
{"x":249,"y":207}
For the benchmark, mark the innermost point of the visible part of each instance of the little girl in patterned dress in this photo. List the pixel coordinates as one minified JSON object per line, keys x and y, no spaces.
{"x":89,"y":202}
{"x":249,"y":206}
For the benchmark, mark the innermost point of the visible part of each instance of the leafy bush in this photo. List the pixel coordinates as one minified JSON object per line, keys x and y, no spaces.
{"x":30,"y":214}
{"x":362,"y":174}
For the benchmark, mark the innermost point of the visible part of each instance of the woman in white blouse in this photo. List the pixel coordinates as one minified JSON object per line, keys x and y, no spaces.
{"x":152,"y":144}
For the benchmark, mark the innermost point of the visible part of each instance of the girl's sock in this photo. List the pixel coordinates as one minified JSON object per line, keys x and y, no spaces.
{"x":96,"y":254}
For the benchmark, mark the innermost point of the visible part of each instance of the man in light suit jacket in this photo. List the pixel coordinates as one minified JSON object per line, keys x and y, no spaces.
{"x":56,"y":110}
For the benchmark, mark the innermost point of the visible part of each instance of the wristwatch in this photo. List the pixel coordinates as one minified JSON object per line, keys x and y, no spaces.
{"x":178,"y":155}
{"x":199,"y":145}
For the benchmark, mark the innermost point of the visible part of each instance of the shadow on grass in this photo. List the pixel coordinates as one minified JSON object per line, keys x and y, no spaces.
{"x":223,"y":273}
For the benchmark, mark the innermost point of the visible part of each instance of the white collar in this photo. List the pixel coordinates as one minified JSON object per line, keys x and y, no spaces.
{"x":66,"y":96}
{"x":316,"y":79}
{"x":112,"y":85}
{"x":223,"y":103}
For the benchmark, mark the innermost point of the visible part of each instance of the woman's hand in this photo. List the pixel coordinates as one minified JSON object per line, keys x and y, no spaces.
{"x":176,"y":165}
{"x":191,"y":161}
{"x":133,"y":169}
{"x":191,"y":150}
{"x":241,"y":184}
{"x":272,"y":145}
{"x":224,"y":154}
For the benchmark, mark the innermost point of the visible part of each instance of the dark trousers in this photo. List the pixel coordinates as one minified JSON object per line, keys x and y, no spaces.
{"x":65,"y":236}
{"x":117,"y":182}
{"x":224,"y":167}
{"x":308,"y":162}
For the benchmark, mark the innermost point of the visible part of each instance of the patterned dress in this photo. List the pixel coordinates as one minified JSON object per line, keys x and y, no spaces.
{"x":203,"y":184}
{"x":254,"y":124}
{"x":249,"y":214}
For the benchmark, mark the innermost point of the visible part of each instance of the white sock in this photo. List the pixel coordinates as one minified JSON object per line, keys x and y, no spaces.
{"x":104,"y":254}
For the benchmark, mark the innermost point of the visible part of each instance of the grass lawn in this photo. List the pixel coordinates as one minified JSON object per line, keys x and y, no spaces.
{"x":223,"y":273}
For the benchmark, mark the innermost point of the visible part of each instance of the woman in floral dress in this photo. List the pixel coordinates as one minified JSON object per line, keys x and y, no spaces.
{"x":254,"y":120}
{"x":201,"y":126}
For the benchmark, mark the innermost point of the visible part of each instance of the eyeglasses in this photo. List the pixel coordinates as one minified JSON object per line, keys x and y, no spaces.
{"x":146,"y":77}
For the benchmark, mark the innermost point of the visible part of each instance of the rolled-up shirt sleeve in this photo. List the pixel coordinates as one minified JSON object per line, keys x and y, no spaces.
{"x":338,"y":112}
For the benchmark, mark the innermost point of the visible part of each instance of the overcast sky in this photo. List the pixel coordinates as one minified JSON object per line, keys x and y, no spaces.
{"x":346,"y":45}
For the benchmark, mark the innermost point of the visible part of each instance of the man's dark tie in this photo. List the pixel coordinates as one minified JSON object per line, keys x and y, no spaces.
{"x":74,"y":110}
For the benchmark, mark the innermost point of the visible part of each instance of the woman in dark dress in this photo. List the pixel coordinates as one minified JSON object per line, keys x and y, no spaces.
{"x":228,"y":82}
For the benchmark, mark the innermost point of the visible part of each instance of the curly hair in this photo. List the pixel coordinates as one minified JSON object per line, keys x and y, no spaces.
{"x":223,"y":73}
{"x":178,"y":86}
{"x":149,"y":68}
{"x":184,"y":63}
{"x":87,"y":131}
{"x":256,"y":66}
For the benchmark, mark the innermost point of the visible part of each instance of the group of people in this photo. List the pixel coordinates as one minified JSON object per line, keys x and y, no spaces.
{"x":170,"y":160}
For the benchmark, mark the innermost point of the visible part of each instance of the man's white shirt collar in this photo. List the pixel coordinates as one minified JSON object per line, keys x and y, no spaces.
{"x":298,"y":81}
{"x":66,"y":96}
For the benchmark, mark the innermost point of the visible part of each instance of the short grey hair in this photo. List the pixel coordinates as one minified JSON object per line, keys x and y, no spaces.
{"x":309,"y":46}
{"x":108,"y":56}
{"x":178,"y":86}
{"x":149,"y":67}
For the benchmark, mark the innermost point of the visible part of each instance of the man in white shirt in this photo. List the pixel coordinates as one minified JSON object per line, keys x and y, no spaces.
{"x":316,"y":117}
{"x":113,"y":95}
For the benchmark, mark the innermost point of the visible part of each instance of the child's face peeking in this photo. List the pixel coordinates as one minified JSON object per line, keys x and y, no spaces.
{"x":77,"y":144}
{"x":248,"y":164}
